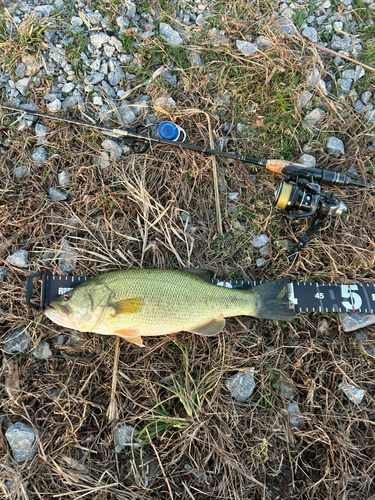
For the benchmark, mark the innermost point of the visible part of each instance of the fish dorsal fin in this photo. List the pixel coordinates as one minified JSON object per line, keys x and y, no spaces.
{"x":126,"y":306}
{"x":210,"y":329}
{"x":131,"y":335}
{"x":203,"y":274}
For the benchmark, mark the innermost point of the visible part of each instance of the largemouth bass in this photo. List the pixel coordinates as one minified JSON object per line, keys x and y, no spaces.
{"x":148,"y":302}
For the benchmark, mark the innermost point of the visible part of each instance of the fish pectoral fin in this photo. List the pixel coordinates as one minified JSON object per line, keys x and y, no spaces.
{"x":131,"y":335}
{"x":210,"y":329}
{"x":126,"y":306}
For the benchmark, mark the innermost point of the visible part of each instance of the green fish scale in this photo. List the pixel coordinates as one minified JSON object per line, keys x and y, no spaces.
{"x":172,"y":301}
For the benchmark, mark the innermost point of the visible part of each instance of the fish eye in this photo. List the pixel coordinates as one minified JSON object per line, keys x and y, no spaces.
{"x":66,"y":297}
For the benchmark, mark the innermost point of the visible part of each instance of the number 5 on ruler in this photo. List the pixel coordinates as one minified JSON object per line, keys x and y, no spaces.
{"x":347,"y":293}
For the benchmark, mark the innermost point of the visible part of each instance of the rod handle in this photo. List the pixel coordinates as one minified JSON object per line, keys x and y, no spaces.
{"x":279,"y":165}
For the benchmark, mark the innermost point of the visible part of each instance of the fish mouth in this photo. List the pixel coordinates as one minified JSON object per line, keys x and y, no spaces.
{"x":57,"y":310}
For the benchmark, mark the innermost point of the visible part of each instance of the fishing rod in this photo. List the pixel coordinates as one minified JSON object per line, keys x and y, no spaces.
{"x":140,"y":142}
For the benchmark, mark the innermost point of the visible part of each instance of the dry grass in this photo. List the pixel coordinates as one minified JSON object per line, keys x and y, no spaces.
{"x":207,"y":445}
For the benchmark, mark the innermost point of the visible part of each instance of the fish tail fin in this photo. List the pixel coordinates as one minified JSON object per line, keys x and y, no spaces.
{"x":273,"y":301}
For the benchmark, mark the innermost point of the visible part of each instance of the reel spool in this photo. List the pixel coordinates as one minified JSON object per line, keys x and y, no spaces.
{"x":304,"y":200}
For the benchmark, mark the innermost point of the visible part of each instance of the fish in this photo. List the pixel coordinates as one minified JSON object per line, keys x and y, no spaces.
{"x":138,"y":303}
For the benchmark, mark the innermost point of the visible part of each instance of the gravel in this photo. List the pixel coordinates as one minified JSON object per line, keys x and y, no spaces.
{"x":246,"y":48}
{"x":170,"y":34}
{"x":335,"y":147}
{"x":67,"y":258}
{"x":18,"y":341}
{"x":22,"y":440}
{"x":57,"y":195}
{"x":42,"y":351}
{"x":352,"y":393}
{"x":295,"y":416}
{"x":259,"y":241}
{"x":242,"y":385}
{"x":18,"y":259}
{"x":3,"y":272}
{"x":40,"y":155}
{"x":64,"y":178}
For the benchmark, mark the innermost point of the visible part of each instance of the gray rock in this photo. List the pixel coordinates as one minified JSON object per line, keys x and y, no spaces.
{"x":99,"y":39}
{"x":3,"y":272}
{"x":314,"y":117}
{"x":103,"y":160}
{"x":295,"y":416}
{"x":115,"y":77}
{"x":22,"y":440}
{"x":67,"y":258}
{"x":286,"y":26}
{"x":140,"y":105}
{"x":366,"y":96}
{"x":304,"y":98}
{"x":54,"y":106}
{"x":97,"y":100}
{"x":246,"y":48}
{"x":341,"y":43}
{"x":52,"y":96}
{"x":76,"y":22}
{"x":263,"y":43}
{"x":126,"y":114}
{"x":113,"y":148}
{"x":352,"y":393}
{"x":124,"y":436}
{"x":44,"y":10}
{"x":170,"y":34}
{"x":95,"y":78}
{"x":233,"y":196}
{"x":370,"y":115}
{"x":122,"y":23}
{"x":335,"y":147}
{"x":348,"y":74}
{"x":307,"y":160}
{"x":259,"y":241}
{"x":194,"y":58}
{"x":42,"y":351}
{"x":39,"y":155}
{"x":64,"y":178}
{"x":261,"y":262}
{"x":18,"y":259}
{"x":67,"y":88}
{"x":57,"y":195}
{"x":361,"y":336}
{"x":287,"y":389}
{"x":165,"y":102}
{"x":115,"y":42}
{"x":108,"y":89}
{"x":310,"y":33}
{"x":41,"y":130}
{"x":354,"y":321}
{"x":345,"y":84}
{"x":20,"y":172}
{"x":323,"y":326}
{"x":23,"y":86}
{"x":94,"y":18}
{"x":20,"y":70}
{"x":359,"y":106}
{"x":242,"y":385}
{"x":353,"y":172}
{"x":18,"y":341}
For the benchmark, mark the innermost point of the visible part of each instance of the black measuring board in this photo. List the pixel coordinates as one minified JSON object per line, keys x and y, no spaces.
{"x":333,"y":297}
{"x":304,"y":296}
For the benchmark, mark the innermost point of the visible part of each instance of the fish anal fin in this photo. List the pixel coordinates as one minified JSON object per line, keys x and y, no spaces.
{"x":203,"y":274}
{"x":211,"y":328}
{"x":131,"y":335}
{"x":126,"y":306}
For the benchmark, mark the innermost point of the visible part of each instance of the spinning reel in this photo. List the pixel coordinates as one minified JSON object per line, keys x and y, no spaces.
{"x":303,"y":200}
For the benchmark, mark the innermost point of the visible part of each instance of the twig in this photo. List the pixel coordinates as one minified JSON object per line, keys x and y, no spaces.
{"x":112,"y":408}
{"x":343,"y":57}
